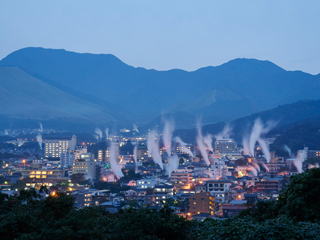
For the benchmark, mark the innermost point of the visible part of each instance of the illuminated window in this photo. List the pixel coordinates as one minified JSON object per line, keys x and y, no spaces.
{"x":31,"y":176}
{"x":37,"y":176}
{"x":44,"y":176}
{"x":44,"y":172}
{"x":38,"y":172}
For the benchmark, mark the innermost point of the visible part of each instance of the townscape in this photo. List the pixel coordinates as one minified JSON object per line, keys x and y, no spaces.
{"x":211,"y":178}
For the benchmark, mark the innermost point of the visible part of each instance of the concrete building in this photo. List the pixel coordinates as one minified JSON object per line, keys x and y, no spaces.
{"x":142,"y":153}
{"x":104,"y":155}
{"x":55,"y":146}
{"x":41,"y":176}
{"x":303,"y":154}
{"x":268,"y":185}
{"x":66,"y":159}
{"x":219,"y":189}
{"x":201,"y":202}
{"x":90,"y":169}
{"x":226,"y":147}
{"x":183,"y":176}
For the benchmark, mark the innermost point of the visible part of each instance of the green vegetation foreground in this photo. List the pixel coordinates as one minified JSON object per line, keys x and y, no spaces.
{"x":295,"y":215}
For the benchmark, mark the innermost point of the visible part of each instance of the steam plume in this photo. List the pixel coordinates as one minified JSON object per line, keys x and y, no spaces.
{"x":208,"y":141}
{"x":153,"y":148}
{"x":257,"y":130}
{"x":135,"y":128}
{"x":135,"y":149}
{"x":183,"y":145}
{"x":6,"y":132}
{"x":173,"y":163}
{"x":201,"y":145}
{"x":225,"y":132}
{"x":39,"y":139}
{"x":113,"y":162}
{"x":107,"y":133}
{"x":287,"y":149}
{"x":98,"y":133}
{"x":41,"y":127}
{"x":167,"y":135}
{"x":245,"y":144}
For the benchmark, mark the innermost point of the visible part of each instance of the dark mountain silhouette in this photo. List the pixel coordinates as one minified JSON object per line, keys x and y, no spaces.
{"x":24,"y":96}
{"x":296,"y":121}
{"x":235,"y":89}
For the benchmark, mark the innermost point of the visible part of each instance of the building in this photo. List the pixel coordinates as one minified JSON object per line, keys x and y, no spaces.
{"x":55,"y":146}
{"x":226,"y":147}
{"x":40,"y":176}
{"x":163,"y":189}
{"x":201,"y":202}
{"x":142,"y":153}
{"x":269,"y":185}
{"x":146,"y":183}
{"x":66,"y":159}
{"x":90,"y":169}
{"x":183,"y":176}
{"x":104,"y":155}
{"x":79,"y":150}
{"x":219,"y":189}
{"x":303,"y":154}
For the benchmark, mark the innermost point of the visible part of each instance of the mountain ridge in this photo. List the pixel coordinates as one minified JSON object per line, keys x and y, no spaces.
{"x":241,"y":86}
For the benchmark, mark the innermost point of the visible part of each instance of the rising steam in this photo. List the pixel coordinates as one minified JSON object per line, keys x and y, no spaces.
{"x":39,"y":139}
{"x":113,"y":162}
{"x":201,"y":144}
{"x":135,"y":150}
{"x":98,"y":134}
{"x":183,"y":146}
{"x":135,"y":128}
{"x":208,"y":141}
{"x":258,"y":130}
{"x":226,"y":132}
{"x":107,"y":133}
{"x":153,"y":148}
{"x":287,"y":149}
{"x":167,"y":135}
{"x":173,"y":163}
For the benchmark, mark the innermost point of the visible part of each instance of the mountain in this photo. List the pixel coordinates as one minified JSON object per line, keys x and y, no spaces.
{"x":24,"y":96}
{"x":291,"y":119}
{"x":235,"y":89}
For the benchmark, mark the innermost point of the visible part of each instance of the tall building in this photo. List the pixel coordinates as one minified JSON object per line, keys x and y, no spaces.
{"x":66,"y":159}
{"x":55,"y":146}
{"x":90,"y":169}
{"x":226,"y":147}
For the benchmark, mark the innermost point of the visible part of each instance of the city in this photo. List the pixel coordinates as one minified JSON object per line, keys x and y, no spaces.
{"x":214,"y":178}
{"x":162,"y":120}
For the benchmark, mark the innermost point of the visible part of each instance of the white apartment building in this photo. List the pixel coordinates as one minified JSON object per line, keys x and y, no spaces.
{"x":55,"y":146}
{"x":219,"y":189}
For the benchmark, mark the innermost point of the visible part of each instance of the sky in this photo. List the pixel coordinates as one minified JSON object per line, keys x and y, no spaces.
{"x":170,"y":34}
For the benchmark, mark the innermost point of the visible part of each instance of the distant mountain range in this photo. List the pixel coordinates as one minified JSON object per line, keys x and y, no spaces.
{"x":42,"y":83}
{"x":298,"y":125}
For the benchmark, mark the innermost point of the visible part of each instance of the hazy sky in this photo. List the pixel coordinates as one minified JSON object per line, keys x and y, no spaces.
{"x":169,"y":34}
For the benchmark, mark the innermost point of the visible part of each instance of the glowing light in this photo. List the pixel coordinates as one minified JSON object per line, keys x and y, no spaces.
{"x":53,"y":194}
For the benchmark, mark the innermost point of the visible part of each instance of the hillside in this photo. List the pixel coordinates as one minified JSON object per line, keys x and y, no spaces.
{"x":235,"y":89}
{"x":297,"y":124}
{"x":24,"y":96}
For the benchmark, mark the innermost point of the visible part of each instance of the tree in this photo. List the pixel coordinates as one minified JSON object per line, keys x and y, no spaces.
{"x":301,"y":199}
{"x":77,"y":178}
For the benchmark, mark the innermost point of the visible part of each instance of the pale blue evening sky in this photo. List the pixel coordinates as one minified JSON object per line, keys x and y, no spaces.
{"x":169,"y":34}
